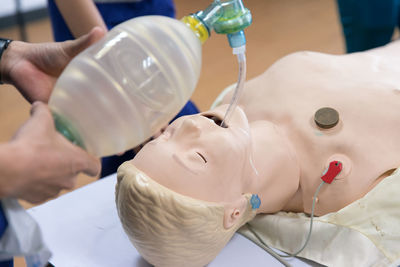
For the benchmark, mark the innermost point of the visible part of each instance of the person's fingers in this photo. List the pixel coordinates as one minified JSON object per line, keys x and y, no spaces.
{"x":34,"y":107}
{"x":96,"y":34}
{"x":70,"y":182}
{"x":79,"y":160}
{"x":93,"y":166}
{"x":72,"y":48}
{"x":41,"y":115}
{"x":39,"y":107}
{"x":87,"y":163}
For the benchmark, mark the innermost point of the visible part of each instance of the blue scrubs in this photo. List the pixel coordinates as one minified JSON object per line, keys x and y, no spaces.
{"x":3,"y":227}
{"x":368,"y":24}
{"x":114,"y":14}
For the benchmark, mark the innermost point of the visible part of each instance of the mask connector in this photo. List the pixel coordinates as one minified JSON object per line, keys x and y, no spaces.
{"x":228,"y":17}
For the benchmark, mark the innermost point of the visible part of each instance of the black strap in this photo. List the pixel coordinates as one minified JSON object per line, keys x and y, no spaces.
{"x":3,"y":46}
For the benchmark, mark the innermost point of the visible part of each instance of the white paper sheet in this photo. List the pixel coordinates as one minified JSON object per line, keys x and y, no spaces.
{"x":82,"y":229}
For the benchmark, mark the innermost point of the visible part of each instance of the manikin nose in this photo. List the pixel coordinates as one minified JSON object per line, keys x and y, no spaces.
{"x":189,"y":127}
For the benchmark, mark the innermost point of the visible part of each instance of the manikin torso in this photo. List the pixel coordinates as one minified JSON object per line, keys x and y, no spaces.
{"x":275,"y":134}
{"x":271,"y":147}
{"x":365,"y":90}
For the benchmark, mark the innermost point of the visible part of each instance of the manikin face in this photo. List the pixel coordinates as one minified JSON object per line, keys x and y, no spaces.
{"x":197,"y":157}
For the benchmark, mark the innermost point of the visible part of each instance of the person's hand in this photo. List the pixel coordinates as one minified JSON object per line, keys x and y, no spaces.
{"x":34,"y":68}
{"x":48,"y":162}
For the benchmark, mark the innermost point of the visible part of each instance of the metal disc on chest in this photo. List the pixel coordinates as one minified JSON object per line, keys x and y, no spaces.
{"x":326,"y":118}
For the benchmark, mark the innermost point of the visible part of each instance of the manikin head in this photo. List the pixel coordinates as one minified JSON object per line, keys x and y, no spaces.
{"x":194,"y":150}
{"x":186,"y":193}
{"x":169,"y":229}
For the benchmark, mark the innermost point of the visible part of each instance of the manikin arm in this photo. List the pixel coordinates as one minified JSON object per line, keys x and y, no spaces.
{"x":80,"y":16}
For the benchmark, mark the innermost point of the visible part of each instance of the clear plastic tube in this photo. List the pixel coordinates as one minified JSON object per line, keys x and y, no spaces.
{"x":239,"y":86}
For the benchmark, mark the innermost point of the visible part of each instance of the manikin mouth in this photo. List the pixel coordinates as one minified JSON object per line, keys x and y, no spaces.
{"x":217,"y":120}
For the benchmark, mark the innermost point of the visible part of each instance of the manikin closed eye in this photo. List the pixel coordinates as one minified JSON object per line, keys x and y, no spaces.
{"x":201,"y":156}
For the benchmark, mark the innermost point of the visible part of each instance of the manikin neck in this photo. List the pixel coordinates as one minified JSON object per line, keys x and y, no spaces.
{"x":277,"y":178}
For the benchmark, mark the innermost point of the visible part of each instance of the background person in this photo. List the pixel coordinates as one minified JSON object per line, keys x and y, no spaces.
{"x":368,"y":24}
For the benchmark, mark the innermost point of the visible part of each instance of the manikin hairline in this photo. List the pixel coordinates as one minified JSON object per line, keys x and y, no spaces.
{"x":191,"y":199}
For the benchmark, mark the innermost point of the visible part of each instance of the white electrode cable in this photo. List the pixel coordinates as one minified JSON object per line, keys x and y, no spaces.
{"x":289,"y":255}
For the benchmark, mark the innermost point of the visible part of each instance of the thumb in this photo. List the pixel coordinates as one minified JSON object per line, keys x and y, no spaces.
{"x":40,"y":113}
{"x":72,"y":48}
{"x":38,"y":124}
{"x":36,"y":107}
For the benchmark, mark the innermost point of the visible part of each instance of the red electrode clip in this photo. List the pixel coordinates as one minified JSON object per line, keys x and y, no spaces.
{"x":335,"y":167}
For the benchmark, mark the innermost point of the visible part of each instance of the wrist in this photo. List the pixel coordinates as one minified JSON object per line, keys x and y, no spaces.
{"x":4,"y":44}
{"x":12,"y":168}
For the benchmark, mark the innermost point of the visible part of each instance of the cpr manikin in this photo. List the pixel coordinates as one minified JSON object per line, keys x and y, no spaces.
{"x":185,"y":194}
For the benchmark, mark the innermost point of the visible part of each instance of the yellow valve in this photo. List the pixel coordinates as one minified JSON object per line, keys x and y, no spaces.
{"x":197,"y":27}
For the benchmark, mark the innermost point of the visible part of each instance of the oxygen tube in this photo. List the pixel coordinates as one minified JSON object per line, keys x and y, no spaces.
{"x":225,"y":17}
{"x":241,"y":57}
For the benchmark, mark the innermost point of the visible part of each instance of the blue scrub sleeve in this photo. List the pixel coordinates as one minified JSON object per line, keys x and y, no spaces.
{"x":3,"y":227}
{"x":116,"y":13}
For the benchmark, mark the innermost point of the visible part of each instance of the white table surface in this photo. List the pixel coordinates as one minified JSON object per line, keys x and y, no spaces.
{"x":82,"y":229}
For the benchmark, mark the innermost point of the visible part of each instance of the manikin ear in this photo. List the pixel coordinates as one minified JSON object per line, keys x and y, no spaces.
{"x":234,"y":211}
